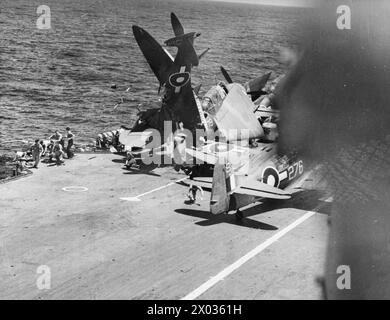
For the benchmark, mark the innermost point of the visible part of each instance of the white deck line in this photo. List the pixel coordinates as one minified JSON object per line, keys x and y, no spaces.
{"x":137,"y":198}
{"x":228,"y":270}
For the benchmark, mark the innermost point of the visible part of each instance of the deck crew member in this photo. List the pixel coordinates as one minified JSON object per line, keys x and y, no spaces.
{"x":70,"y":137}
{"x":57,"y":136}
{"x":57,"y":153}
{"x":45,"y":147}
{"x":36,"y":150}
{"x":106,"y":139}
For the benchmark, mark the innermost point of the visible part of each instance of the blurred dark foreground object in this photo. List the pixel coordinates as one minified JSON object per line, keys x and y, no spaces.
{"x":334,"y":106}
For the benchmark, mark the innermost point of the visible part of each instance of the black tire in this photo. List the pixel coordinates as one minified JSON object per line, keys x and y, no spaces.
{"x":239,"y":215}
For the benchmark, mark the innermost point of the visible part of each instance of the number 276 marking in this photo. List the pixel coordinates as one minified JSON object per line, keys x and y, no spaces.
{"x":295,"y":169}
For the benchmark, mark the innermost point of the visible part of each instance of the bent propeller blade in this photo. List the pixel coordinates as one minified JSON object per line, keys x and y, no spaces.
{"x":226,"y":75}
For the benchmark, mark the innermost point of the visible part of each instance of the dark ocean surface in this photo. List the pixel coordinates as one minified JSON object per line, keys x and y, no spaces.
{"x":62,"y":77}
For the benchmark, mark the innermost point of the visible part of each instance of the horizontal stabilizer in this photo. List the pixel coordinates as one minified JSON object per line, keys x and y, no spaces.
{"x":201,"y":157}
{"x":177,"y":41}
{"x":262,"y":190}
{"x":203,"y":182}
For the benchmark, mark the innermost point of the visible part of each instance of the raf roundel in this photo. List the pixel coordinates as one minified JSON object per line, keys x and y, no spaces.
{"x":180,"y":79}
{"x":271,"y":177}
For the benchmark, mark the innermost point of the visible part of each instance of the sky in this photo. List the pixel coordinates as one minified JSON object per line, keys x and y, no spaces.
{"x":294,"y":3}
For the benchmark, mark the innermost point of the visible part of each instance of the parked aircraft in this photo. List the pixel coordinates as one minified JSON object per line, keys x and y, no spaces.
{"x":243,"y":175}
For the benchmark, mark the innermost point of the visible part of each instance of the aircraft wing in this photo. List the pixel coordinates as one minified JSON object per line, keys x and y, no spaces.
{"x":158,"y":59}
{"x":236,"y":113}
{"x":202,"y":157}
{"x":213,"y":152}
{"x":259,"y":189}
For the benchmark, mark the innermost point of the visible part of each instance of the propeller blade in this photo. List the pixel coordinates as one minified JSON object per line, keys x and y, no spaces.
{"x":226,"y":75}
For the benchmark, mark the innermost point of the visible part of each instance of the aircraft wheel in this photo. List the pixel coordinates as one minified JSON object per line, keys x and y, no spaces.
{"x":239,"y":215}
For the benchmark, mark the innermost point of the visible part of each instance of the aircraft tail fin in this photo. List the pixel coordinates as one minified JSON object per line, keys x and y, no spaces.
{"x":222,"y":185}
{"x":255,"y":87}
{"x":176,"y":25}
{"x":174,"y":74}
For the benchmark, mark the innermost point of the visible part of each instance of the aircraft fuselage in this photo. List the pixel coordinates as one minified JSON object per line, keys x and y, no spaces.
{"x":269,"y":168}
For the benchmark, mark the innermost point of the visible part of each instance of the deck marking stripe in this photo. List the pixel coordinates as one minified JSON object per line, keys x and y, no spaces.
{"x":228,"y":270}
{"x":136,"y":198}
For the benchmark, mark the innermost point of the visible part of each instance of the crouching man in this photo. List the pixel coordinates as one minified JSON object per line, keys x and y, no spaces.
{"x":57,"y":153}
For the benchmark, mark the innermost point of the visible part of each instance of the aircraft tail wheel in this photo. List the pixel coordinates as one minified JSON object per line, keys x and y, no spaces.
{"x":239,"y":215}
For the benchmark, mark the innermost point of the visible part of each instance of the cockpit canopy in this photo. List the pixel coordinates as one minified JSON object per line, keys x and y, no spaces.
{"x":212,"y":100}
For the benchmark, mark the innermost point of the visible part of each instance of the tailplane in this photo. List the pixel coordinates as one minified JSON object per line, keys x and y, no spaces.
{"x":177,"y":41}
{"x":180,"y":35}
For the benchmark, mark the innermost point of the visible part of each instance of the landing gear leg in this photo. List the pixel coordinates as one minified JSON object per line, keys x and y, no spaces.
{"x":192,"y":194}
{"x":239,"y":215}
